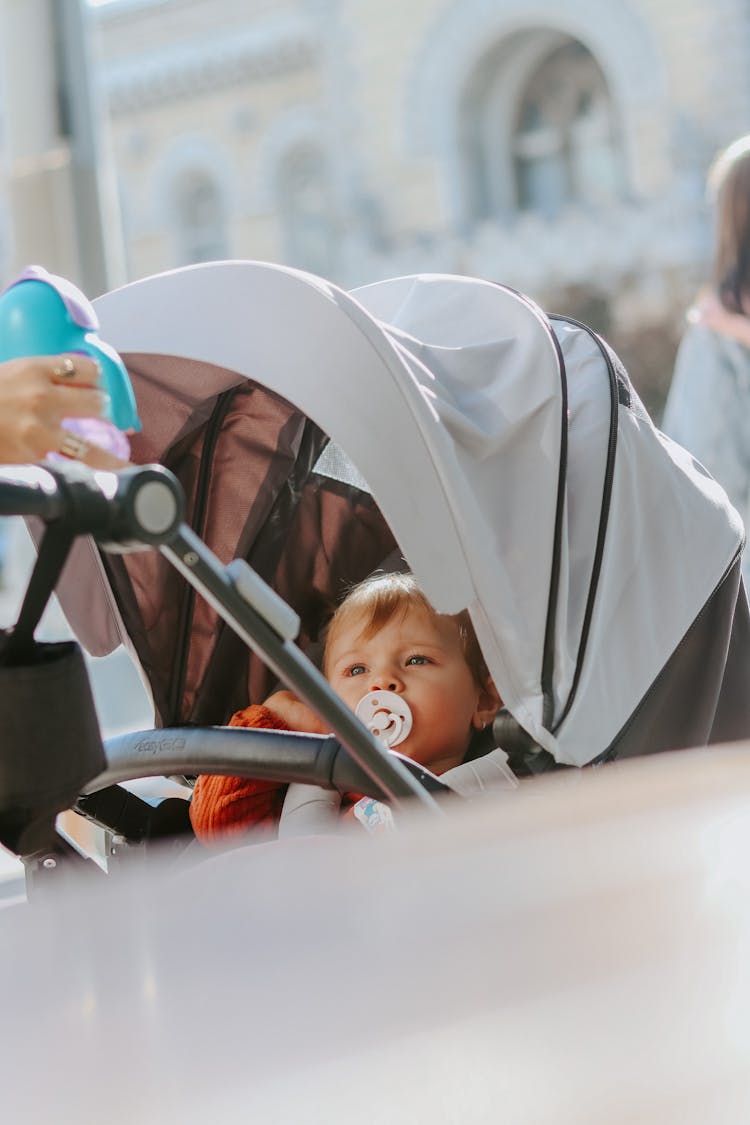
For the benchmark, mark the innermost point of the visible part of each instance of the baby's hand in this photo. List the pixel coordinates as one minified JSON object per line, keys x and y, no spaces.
{"x":296,"y":714}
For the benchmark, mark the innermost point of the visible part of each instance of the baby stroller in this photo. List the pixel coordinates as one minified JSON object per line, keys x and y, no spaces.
{"x":318,"y":435}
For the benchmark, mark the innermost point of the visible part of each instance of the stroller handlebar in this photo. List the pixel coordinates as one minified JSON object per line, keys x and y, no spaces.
{"x":29,"y":490}
{"x":266,"y":755}
{"x":135,"y":507}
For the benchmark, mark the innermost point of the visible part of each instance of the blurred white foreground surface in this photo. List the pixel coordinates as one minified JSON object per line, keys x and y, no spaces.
{"x":578,"y":952}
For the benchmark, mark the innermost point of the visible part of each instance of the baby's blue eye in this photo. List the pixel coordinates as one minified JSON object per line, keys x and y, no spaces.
{"x":418,"y":659}
{"x":356,"y":670}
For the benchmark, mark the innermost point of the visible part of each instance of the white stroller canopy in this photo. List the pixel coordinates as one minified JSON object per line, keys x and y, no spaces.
{"x":448,"y":395}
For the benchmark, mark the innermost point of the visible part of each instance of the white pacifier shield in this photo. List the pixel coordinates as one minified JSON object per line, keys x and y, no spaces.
{"x":386,"y":715}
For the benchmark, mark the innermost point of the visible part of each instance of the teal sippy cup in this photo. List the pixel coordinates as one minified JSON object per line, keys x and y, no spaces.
{"x":42,"y":314}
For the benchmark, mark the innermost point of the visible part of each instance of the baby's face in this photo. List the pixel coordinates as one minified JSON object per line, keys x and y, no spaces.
{"x":419,"y":656}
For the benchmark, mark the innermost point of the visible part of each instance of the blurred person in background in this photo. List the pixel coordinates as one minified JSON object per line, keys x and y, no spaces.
{"x":708,"y":406}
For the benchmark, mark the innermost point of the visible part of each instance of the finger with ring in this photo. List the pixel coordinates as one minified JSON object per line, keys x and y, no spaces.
{"x":64,"y":369}
{"x":73,"y":446}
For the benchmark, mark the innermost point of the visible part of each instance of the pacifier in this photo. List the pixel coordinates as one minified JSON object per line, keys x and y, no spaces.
{"x":386,"y":715}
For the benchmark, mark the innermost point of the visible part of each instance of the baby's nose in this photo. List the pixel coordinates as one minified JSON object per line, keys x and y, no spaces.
{"x":386,"y":681}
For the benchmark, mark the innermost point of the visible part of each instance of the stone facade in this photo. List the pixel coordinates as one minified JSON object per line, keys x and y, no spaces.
{"x":561,"y":149}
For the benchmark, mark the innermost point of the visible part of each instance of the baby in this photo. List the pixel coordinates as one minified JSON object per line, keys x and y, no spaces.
{"x":384,"y":637}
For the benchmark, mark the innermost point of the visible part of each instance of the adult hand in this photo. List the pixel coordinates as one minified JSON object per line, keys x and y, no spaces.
{"x":36,"y":394}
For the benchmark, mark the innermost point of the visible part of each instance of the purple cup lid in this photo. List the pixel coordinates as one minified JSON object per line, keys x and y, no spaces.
{"x":79,"y":307}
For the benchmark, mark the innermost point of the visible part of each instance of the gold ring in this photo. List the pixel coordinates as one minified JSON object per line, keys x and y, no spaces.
{"x":65,"y":369}
{"x":73,"y":446}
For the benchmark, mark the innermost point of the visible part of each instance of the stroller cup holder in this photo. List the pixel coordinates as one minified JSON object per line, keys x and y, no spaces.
{"x":51,"y":753}
{"x":51,"y":745}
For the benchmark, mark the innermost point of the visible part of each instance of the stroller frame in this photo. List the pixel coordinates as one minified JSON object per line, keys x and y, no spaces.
{"x":111,"y":507}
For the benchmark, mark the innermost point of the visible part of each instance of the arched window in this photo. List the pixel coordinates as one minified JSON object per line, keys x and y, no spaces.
{"x":200,"y":219}
{"x":565,"y":144}
{"x":538,"y":129}
{"x":306,"y":206}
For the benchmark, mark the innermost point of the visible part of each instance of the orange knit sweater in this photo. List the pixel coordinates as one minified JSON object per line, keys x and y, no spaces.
{"x":223,"y":807}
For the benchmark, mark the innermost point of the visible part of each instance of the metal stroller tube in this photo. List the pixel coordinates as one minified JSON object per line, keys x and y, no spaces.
{"x":30,"y":490}
{"x":130,"y":509}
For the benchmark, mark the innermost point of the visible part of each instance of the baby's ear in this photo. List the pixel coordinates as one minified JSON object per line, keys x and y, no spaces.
{"x":488,"y":705}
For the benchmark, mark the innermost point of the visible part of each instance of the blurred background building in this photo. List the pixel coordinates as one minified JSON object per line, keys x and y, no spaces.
{"x":562,"y":150}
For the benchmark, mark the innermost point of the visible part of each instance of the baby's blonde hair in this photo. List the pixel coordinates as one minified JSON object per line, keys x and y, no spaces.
{"x":382,"y":597}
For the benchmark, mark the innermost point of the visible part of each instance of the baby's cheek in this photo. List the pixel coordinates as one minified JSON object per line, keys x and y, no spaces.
{"x":349,"y":699}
